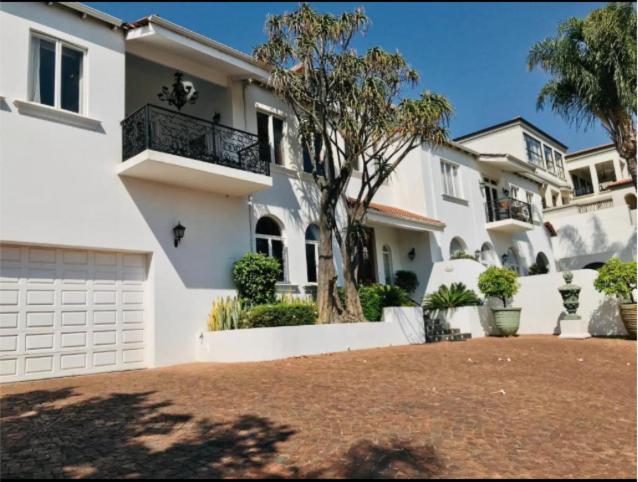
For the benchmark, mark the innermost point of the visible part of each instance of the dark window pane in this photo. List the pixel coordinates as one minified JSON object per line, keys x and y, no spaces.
{"x":267,"y":226}
{"x":278,"y":253}
{"x":262,"y":134}
{"x":278,"y":133}
{"x":311,"y":263}
{"x":262,"y":246}
{"x":71,"y":79}
{"x":312,"y":233}
{"x":307,"y":162}
{"x":44,"y":83}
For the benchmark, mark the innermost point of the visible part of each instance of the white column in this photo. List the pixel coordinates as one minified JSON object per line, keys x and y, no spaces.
{"x":594,"y":178}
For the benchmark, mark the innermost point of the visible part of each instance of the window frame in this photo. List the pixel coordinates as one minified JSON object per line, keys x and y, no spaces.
{"x":558,"y":162}
{"x":528,"y":151}
{"x":315,"y":246}
{"x":269,"y":238}
{"x":455,"y":180}
{"x":60,"y":44}
{"x":388,"y":271}
{"x":271,"y":133}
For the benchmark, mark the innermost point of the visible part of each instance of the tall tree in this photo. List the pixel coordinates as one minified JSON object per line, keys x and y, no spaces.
{"x":592,"y":62}
{"x":351,"y":116}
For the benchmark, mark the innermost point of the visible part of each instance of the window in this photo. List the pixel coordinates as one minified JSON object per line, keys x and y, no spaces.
{"x":268,"y":241}
{"x":307,"y":161}
{"x":270,"y":131}
{"x":533,"y":150}
{"x":549,"y":158}
{"x":457,"y":246}
{"x":312,"y":252}
{"x":387,"y":264}
{"x":514,"y":192}
{"x":529,"y":197}
{"x":57,"y":73}
{"x":451,"y":179}
{"x":558,"y":160}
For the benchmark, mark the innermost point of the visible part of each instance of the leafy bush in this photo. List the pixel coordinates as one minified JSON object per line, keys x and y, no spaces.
{"x":499,"y":283}
{"x":617,"y":278}
{"x":375,"y":297}
{"x":462,"y":255}
{"x":225,"y":314}
{"x":455,"y":296}
{"x":406,"y":280}
{"x":255,"y":276}
{"x":371,"y":302}
{"x":537,"y":269}
{"x":280,"y":314}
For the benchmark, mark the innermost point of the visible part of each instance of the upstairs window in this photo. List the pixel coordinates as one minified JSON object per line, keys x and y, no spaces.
{"x":57,"y":74}
{"x":451,"y":179}
{"x":549,"y":159}
{"x":533,"y":147}
{"x":270,"y":131}
{"x":558,"y":159}
{"x":307,"y":161}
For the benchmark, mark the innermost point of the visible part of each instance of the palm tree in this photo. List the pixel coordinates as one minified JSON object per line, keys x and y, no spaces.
{"x":592,"y":62}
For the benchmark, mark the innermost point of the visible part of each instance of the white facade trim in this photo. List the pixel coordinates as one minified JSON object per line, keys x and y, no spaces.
{"x":54,"y":114}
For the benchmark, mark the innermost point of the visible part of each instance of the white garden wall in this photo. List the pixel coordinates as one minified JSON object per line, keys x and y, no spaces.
{"x":401,"y":326}
{"x":538,"y":296}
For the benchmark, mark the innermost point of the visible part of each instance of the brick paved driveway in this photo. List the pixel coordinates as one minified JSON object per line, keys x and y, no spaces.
{"x":526,"y":407}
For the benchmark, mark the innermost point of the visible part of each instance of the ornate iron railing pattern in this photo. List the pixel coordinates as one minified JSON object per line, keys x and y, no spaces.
{"x":508,"y":208}
{"x":160,"y":129}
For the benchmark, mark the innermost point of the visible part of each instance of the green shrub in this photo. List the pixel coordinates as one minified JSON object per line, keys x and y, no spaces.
{"x":225,"y":314}
{"x":617,"y":278}
{"x":499,"y":283}
{"x":371,"y":302}
{"x":455,"y":296}
{"x":375,"y":297}
{"x":280,"y":314}
{"x":255,"y":276}
{"x":406,"y":280}
{"x":462,"y":255}
{"x":537,"y":269}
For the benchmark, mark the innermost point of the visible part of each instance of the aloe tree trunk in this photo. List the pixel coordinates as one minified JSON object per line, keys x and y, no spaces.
{"x":328,"y":302}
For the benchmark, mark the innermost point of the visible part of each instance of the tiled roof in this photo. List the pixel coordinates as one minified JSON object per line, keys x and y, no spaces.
{"x":402,"y":213}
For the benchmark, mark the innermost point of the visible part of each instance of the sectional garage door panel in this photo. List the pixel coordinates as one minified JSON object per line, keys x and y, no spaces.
{"x":69,"y":312}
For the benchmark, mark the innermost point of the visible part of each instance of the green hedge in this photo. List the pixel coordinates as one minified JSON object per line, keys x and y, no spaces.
{"x":280,"y":314}
{"x":375,"y":297}
{"x":255,"y":276}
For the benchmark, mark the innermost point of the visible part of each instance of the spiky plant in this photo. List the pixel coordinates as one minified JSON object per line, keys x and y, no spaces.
{"x":225,"y":314}
{"x":454,"y":296}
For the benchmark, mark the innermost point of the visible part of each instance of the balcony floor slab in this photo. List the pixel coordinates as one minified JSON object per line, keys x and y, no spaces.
{"x":181,"y":171}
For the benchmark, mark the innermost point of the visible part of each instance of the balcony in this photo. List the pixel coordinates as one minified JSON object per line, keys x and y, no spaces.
{"x":508,"y":215}
{"x":169,"y":147}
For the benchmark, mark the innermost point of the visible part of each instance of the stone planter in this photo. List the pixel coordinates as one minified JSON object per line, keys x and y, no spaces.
{"x":506,"y":320}
{"x":628,"y":315}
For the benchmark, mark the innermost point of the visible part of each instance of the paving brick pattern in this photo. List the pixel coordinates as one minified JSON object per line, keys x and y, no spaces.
{"x":521,"y":407}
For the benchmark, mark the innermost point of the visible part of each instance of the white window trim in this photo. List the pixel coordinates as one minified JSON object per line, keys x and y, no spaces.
{"x":57,"y":96}
{"x":284,"y":251}
{"x":457,"y":180}
{"x":59,"y":115}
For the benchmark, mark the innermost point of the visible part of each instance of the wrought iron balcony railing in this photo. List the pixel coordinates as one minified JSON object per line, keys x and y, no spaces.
{"x":508,"y":208}
{"x":160,"y":129}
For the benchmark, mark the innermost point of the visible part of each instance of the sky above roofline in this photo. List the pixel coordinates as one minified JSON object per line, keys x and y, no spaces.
{"x":474,"y":53}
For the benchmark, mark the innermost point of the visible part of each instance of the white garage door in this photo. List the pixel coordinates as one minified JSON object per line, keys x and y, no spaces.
{"x":69,"y":312}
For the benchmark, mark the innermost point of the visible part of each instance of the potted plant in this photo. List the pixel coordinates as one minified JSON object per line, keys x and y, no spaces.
{"x":501,"y":283}
{"x":618,"y":279}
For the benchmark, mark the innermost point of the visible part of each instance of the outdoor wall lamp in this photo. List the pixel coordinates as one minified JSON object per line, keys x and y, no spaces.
{"x":178,"y":231}
{"x":504,"y":258}
{"x":477,"y":254}
{"x":412,"y":254}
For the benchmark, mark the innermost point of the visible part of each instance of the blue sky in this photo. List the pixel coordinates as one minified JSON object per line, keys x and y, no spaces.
{"x":474,"y":53}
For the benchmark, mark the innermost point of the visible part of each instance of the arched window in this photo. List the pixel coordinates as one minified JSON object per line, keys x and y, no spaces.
{"x":542,"y":262}
{"x":457,"y":245}
{"x":488,"y":256}
{"x":312,"y":252}
{"x":387,"y":264}
{"x":268,"y":241}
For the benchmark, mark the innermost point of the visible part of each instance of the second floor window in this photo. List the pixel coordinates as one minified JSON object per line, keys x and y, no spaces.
{"x":270,"y":130}
{"x":57,"y":74}
{"x":533,"y":148}
{"x":549,"y":159}
{"x":307,"y":161}
{"x":558,"y":159}
{"x":451,"y":179}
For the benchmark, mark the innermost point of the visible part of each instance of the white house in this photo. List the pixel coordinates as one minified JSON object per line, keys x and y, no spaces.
{"x":599,"y":219}
{"x":96,"y":172}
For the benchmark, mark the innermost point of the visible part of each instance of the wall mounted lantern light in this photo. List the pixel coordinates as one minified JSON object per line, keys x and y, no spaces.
{"x":178,"y":231}
{"x":412,"y":254}
{"x":477,"y":254}
{"x":505,"y":258}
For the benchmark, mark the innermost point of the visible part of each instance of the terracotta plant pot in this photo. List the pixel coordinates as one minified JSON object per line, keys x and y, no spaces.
{"x":628,"y":315}
{"x":507,"y":320}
